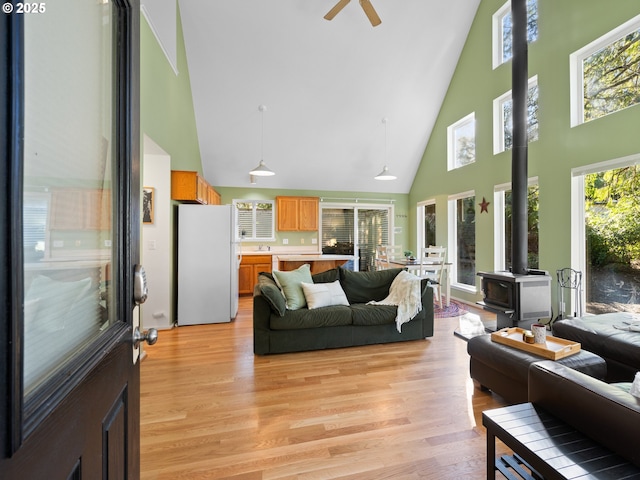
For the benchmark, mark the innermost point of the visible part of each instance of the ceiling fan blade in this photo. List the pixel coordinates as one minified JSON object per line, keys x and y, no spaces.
{"x":336,"y":9}
{"x":371,"y":13}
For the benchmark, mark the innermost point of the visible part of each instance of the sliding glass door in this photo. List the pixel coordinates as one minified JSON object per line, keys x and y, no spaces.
{"x":355,"y":230}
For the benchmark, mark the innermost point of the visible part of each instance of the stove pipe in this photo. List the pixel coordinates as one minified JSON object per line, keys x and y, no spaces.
{"x":519,"y":168}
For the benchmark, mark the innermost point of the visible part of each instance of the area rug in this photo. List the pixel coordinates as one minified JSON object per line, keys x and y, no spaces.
{"x":453,"y":310}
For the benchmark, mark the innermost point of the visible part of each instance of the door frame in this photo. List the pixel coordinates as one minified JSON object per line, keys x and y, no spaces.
{"x":17,"y":417}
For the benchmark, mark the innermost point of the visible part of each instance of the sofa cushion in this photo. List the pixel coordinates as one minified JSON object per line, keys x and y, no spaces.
{"x":338,"y":315}
{"x":324,"y":294}
{"x":291,"y":284}
{"x":272,"y":293}
{"x":362,"y":287}
{"x":327,"y":276}
{"x":373,"y":314}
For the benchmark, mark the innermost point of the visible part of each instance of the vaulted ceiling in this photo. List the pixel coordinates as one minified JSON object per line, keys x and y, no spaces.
{"x":326,"y":85}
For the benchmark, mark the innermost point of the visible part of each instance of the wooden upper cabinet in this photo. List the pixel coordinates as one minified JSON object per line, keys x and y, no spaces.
{"x":188,"y":186}
{"x":297,"y":213}
{"x":308,"y":216}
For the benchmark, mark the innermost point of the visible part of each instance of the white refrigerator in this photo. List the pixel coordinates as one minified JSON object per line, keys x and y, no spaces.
{"x":208,"y":262}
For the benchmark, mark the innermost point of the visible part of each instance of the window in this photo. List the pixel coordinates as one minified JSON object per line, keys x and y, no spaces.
{"x":369,"y":225}
{"x":427,"y":223}
{"x":503,"y":118}
{"x":254,"y":220}
{"x":605,"y":238}
{"x":502,"y":201}
{"x":605,"y":75}
{"x":502,"y":43}
{"x":462,"y":240}
{"x":461,"y":142}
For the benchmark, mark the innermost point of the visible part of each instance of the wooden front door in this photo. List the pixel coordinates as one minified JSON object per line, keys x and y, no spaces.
{"x":69,"y":235}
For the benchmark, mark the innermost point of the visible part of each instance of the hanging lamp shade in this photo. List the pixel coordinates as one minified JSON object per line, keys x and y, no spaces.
{"x":385,"y":175}
{"x":262,"y":170}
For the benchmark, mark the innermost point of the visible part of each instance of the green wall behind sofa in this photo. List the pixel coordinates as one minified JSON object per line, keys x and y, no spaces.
{"x":564,"y":27}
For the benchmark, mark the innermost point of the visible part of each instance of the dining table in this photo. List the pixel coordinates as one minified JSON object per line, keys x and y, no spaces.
{"x":415,"y":265}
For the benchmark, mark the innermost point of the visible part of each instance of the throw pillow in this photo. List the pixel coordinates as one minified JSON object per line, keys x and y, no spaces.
{"x":324,"y":294}
{"x":272,"y":293}
{"x":290,"y":283}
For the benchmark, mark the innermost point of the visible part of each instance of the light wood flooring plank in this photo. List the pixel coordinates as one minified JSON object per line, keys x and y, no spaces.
{"x":210,"y":409}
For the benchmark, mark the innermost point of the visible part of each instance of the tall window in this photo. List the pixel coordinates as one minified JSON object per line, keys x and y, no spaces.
{"x":502,"y":27}
{"x":461,"y":142}
{"x":462,"y":238}
{"x":503,"y":118}
{"x":612,"y":207}
{"x":427,"y":222}
{"x":605,"y":75}
{"x":355,"y":230}
{"x":430,"y":225}
{"x":254,"y":220}
{"x":503,"y":204}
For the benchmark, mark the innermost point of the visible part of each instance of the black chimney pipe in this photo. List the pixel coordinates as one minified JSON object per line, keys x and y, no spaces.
{"x":519,"y":159}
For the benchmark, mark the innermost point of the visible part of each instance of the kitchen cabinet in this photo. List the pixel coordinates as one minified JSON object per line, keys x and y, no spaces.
{"x":188,"y":186}
{"x":250,"y":266}
{"x":297,"y":213}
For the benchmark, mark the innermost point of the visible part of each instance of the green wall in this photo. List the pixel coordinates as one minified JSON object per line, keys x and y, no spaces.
{"x":166,"y":104}
{"x":303,"y":239}
{"x":564,"y":27}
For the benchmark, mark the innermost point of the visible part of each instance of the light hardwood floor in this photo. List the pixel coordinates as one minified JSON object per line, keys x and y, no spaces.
{"x":210,"y":409}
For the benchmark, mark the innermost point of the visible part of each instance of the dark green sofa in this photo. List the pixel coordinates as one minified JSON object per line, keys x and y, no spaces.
{"x":277,"y":330}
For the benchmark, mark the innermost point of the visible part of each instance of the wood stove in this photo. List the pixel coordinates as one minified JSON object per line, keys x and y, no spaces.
{"x":518,"y":299}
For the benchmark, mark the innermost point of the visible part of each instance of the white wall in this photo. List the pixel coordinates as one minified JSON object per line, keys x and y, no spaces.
{"x":156,"y":239}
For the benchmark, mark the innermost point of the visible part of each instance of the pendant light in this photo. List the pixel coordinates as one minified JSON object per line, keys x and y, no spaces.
{"x":385,"y":174}
{"x":262,"y":170}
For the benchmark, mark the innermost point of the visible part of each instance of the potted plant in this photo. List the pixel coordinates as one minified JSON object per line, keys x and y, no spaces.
{"x":409,"y":256}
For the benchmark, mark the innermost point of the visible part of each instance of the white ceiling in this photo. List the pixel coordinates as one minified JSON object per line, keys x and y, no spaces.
{"x":327,"y":86}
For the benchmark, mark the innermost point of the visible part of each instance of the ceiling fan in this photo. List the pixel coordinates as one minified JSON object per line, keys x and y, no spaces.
{"x":372,"y":15}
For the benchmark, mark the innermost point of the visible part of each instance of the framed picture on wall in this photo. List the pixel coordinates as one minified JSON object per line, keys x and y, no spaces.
{"x":147,"y":205}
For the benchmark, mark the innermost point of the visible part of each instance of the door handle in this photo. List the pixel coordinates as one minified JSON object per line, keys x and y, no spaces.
{"x":150,"y":336}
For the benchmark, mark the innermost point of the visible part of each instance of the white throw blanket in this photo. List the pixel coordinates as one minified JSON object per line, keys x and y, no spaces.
{"x":404,"y":292}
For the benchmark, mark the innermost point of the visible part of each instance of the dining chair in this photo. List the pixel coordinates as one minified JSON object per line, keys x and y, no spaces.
{"x":386,"y":254}
{"x":432,"y":267}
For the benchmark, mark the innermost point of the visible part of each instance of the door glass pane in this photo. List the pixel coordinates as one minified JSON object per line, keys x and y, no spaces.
{"x":67,"y":214}
{"x":373,"y":230}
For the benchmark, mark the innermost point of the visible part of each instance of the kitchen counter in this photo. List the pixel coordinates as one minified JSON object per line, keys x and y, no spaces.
{"x":318,"y":262}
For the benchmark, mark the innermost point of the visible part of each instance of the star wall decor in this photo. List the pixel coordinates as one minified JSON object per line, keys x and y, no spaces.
{"x":484,"y":205}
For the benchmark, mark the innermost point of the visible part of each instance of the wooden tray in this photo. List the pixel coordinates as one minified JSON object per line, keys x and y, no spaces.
{"x":554,"y":349}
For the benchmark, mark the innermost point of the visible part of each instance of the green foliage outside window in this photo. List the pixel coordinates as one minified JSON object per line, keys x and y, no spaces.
{"x":612,"y":211}
{"x":612,"y":77}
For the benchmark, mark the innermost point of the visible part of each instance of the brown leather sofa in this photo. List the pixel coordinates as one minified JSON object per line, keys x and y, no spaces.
{"x":607,"y":413}
{"x":608,"y":336}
